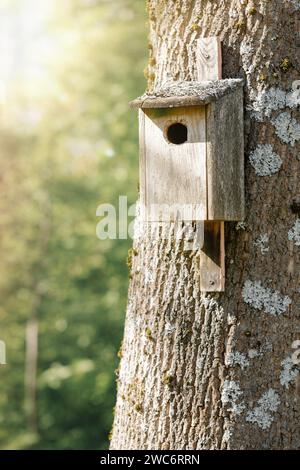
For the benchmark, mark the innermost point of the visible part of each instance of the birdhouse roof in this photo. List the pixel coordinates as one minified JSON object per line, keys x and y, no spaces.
{"x":190,"y":93}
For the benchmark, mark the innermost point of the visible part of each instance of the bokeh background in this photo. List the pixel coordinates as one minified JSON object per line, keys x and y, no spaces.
{"x":68,"y":142}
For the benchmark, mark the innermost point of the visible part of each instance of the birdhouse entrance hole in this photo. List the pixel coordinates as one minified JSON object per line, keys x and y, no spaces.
{"x":177,"y":133}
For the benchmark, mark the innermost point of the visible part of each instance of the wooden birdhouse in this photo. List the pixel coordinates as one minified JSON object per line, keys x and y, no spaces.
{"x":192,"y":151}
{"x":192,"y":155}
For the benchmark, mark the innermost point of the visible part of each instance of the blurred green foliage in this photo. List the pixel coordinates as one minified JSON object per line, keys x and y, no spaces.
{"x":66,"y":148}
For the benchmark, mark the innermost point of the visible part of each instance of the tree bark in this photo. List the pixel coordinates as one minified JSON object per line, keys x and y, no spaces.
{"x":215,"y":371}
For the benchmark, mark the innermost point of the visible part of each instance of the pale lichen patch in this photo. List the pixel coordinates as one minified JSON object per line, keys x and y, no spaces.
{"x":237,"y":359}
{"x":266,"y":102}
{"x":262,"y":242}
{"x":232,"y":396}
{"x":169,"y":328}
{"x":289,"y":371}
{"x":202,"y":443}
{"x":265,"y":299}
{"x":260,"y":352}
{"x":227,"y":435}
{"x":253,"y":353}
{"x":293,"y":97}
{"x":210,"y":303}
{"x":241,"y":226}
{"x":270,"y":100}
{"x":265,"y":161}
{"x":263,"y":413}
{"x":287,"y":128}
{"x":233,"y":14}
{"x":295,"y":4}
{"x":247,"y":51}
{"x":294,"y":233}
{"x":149,"y":276}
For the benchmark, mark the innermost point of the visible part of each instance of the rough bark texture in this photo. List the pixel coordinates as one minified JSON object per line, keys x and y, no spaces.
{"x":205,"y":371}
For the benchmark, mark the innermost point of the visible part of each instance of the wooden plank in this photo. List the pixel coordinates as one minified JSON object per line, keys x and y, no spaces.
{"x":171,"y":175}
{"x":193,"y":93}
{"x":142,"y":165}
{"x":225,"y":158}
{"x":212,"y":255}
{"x":209,"y":59}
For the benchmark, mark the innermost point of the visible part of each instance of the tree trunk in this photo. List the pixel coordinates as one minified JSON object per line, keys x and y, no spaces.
{"x":218,"y":371}
{"x":31,"y":374}
{"x":32,"y":325}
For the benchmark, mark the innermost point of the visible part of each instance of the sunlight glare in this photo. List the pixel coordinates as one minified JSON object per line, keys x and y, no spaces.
{"x":26,"y":45}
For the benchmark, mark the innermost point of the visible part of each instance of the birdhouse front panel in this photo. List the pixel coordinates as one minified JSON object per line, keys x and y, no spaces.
{"x":173,"y":163}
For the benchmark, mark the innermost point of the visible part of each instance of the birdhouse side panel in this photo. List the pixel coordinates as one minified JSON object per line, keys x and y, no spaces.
{"x":225,"y":158}
{"x":173,"y":175}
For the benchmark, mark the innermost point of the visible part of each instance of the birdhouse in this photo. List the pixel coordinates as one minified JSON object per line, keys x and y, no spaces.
{"x":192,"y":156}
{"x":192,"y":151}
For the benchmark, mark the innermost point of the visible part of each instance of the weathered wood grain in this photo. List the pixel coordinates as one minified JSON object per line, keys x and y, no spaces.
{"x":209,"y":59}
{"x":212,"y":255}
{"x":173,"y":176}
{"x":212,"y":258}
{"x":225,"y":158}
